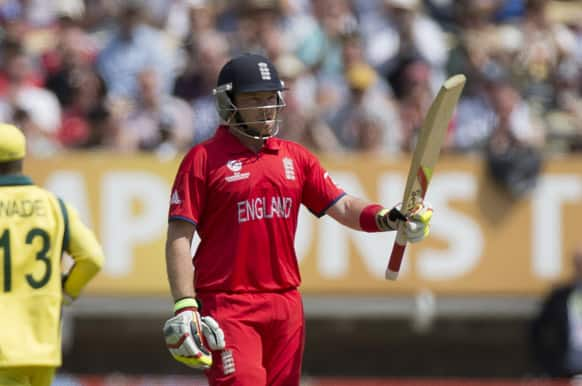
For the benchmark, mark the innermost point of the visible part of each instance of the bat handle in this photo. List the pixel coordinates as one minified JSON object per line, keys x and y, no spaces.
{"x":396,"y":256}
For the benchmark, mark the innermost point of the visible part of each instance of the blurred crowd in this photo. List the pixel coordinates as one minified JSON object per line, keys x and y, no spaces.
{"x":137,"y":76}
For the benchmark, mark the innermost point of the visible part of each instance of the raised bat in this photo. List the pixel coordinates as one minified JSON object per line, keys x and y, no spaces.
{"x":424,"y":158}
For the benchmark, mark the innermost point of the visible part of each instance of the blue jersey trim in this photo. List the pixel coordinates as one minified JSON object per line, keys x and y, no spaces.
{"x":182,"y":218}
{"x":320,"y":214}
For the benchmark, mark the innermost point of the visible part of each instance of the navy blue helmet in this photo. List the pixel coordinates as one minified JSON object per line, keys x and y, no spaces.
{"x":243,"y":74}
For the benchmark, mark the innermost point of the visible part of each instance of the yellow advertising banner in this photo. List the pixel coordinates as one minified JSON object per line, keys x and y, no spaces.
{"x":482,"y":241}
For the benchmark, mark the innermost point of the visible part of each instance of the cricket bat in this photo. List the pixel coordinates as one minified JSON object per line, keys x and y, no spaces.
{"x":424,"y":158}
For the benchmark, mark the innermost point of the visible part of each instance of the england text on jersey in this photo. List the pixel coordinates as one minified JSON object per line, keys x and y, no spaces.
{"x":260,"y":208}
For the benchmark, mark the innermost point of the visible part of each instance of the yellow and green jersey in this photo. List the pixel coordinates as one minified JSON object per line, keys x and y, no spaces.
{"x":36,"y":228}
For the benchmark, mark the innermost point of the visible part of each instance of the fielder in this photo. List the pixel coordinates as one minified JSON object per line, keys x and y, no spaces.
{"x":36,"y":228}
{"x":241,"y":192}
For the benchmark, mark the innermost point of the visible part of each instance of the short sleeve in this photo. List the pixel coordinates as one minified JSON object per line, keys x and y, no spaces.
{"x":319,"y":192}
{"x":83,"y":247}
{"x":189,"y":188}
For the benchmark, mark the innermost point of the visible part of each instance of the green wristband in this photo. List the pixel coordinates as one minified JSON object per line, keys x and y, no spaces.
{"x":185,"y":303}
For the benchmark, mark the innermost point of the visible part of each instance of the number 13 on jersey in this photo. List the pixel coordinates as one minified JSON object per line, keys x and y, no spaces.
{"x":41,"y":256}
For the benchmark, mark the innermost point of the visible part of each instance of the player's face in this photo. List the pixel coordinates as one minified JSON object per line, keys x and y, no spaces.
{"x":259,"y":119}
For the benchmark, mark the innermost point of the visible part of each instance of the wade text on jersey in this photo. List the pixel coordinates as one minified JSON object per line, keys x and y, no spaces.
{"x":22,"y":208}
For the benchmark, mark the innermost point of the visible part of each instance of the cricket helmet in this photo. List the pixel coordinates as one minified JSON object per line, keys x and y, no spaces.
{"x":244,"y":74}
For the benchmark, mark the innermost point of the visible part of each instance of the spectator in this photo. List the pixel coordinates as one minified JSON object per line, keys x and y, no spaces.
{"x":134,"y":47}
{"x":321,"y":51}
{"x":405,"y":31}
{"x":194,"y":84}
{"x":478,"y":116}
{"x":40,"y":13}
{"x":189,"y":19}
{"x":39,"y":143}
{"x":76,"y":84}
{"x":298,"y":23}
{"x":332,"y":88}
{"x":259,"y":28}
{"x":21,"y":94}
{"x":69,"y":35}
{"x":538,"y":41}
{"x":157,"y":119}
{"x":11,"y":51}
{"x":13,"y":20}
{"x":513,"y":151}
{"x":87,"y":120}
{"x":301,"y":119}
{"x":564,"y":115}
{"x":544,"y":45}
{"x":370,"y":109}
{"x":411,"y":83}
{"x":556,"y":331}
{"x":478,"y":41}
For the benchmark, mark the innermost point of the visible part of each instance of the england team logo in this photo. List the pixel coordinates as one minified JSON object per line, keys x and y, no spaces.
{"x":264,"y":71}
{"x":289,"y":168}
{"x":228,"y":366}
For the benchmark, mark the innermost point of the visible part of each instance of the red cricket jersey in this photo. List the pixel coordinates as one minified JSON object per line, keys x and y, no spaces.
{"x":245,"y":207}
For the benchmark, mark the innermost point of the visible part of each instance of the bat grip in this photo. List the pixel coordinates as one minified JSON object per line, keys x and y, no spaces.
{"x":396,"y":256}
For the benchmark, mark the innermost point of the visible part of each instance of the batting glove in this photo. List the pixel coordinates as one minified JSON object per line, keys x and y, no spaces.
{"x":213,"y":334}
{"x":186,"y":334}
{"x":416,"y":225}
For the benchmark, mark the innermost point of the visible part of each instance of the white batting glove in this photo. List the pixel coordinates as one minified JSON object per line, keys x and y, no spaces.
{"x":416,"y":225}
{"x":212,"y":333}
{"x":186,"y":332}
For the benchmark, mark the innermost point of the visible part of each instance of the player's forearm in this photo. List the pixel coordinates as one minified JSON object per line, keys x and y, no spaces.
{"x":347,"y":211}
{"x":87,"y":255}
{"x":80,"y":275}
{"x":179,"y":261}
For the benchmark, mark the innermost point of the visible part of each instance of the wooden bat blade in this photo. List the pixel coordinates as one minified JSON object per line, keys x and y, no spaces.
{"x":424,"y":159}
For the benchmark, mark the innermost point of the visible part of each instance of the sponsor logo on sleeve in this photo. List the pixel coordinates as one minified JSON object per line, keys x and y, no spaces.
{"x":327,"y":176}
{"x":175,"y":198}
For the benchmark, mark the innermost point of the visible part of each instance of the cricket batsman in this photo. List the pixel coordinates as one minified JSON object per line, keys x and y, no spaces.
{"x":36,"y":227}
{"x":238,"y":313}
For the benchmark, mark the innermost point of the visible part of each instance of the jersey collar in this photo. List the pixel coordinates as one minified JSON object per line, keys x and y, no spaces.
{"x":235,"y":146}
{"x":15,"y":179}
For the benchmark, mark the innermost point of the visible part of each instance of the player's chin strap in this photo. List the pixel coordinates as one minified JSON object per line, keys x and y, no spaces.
{"x":243,"y":129}
{"x":235,"y":120}
{"x":240,"y":126}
